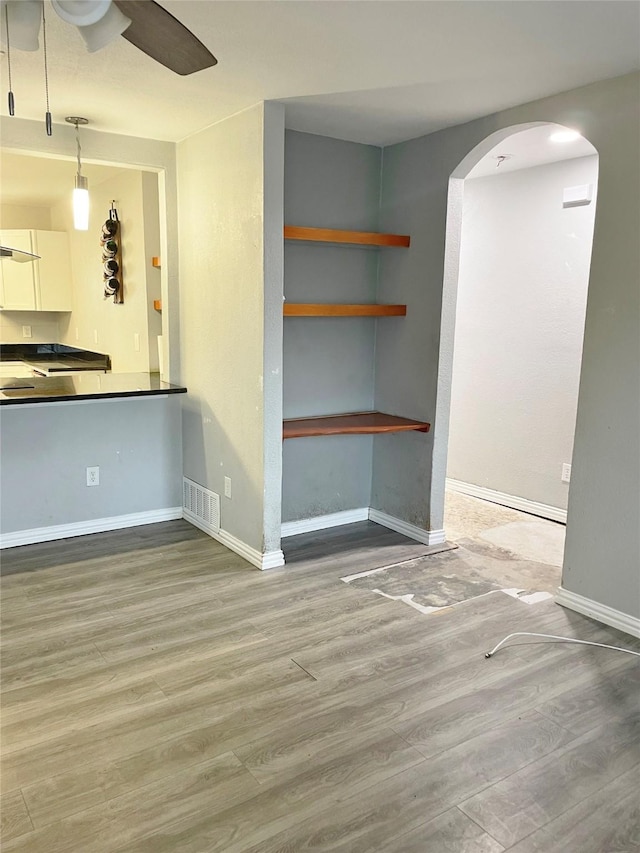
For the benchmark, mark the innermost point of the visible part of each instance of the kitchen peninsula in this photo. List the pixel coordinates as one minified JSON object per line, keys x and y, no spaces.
{"x":46,"y":359}
{"x":63,"y":415}
{"x":46,"y":373}
{"x":89,"y":385}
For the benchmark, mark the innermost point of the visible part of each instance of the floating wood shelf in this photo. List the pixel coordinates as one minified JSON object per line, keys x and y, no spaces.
{"x":155,"y":262}
{"x":300,"y":309}
{"x":355,"y":238}
{"x":357,"y":423}
{"x":157,"y":304}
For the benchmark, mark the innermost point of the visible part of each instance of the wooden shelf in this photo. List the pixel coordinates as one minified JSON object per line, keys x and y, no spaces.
{"x":304,"y":309}
{"x":355,"y":238}
{"x":155,"y":262}
{"x":157,"y":304}
{"x":356,"y":423}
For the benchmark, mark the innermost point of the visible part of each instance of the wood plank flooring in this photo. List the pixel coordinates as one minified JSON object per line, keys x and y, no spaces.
{"x":160,"y":695}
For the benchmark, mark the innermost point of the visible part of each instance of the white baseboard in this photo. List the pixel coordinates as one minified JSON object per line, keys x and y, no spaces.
{"x":84,"y":528}
{"x":427,"y":537}
{"x":270,"y":560}
{"x":350,"y":516}
{"x":321,"y":522}
{"x":553,"y":513}
{"x":600,"y":612}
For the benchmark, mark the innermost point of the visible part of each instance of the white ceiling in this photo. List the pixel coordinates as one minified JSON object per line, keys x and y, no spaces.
{"x":376,"y":72}
{"x":532,"y":147}
{"x":44,"y":181}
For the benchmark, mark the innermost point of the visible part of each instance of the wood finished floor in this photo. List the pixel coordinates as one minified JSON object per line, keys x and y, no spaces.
{"x":159,"y":694}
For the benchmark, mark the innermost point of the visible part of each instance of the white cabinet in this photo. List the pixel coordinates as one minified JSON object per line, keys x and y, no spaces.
{"x":17,"y":282}
{"x":40,"y":285}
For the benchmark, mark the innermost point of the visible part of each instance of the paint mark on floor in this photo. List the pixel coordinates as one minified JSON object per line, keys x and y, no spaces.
{"x":432,"y":590}
{"x":528,"y":597}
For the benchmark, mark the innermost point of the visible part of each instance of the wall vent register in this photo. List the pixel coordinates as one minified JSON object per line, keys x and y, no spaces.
{"x":200,"y":504}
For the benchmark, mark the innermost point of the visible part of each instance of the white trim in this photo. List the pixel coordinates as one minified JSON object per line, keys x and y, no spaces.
{"x":350,"y":516}
{"x":601,"y":612}
{"x":321,"y":522}
{"x":269,"y":560}
{"x":427,"y":537}
{"x":83,"y":528}
{"x":272,"y":560}
{"x":554,"y":513}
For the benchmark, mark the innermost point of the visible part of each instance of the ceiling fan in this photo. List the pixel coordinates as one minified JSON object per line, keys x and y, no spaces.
{"x":144,"y":23}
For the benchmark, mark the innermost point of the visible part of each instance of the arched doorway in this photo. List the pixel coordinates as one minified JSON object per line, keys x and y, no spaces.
{"x":493,"y":150}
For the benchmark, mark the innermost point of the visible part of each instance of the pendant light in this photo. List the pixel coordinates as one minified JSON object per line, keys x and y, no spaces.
{"x":81,"y":191}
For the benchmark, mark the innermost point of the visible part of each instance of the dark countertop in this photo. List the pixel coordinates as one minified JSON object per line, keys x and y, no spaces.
{"x":54,"y":358}
{"x":85,"y":386}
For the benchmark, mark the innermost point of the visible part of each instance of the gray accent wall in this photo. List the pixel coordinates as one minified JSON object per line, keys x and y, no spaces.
{"x":328,"y":363}
{"x":407,"y":348}
{"x":602,"y":555}
{"x":46,"y":448}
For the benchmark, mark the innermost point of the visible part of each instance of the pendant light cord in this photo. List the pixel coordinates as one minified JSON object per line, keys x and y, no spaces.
{"x":46,"y":73}
{"x":78,"y":149}
{"x":6,"y":23}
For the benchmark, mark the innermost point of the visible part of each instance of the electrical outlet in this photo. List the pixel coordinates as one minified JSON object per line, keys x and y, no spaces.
{"x":566,"y":472}
{"x":136,"y":341}
{"x":95,"y":336}
{"x":227,"y":487}
{"x":93,"y":476}
{"x":26,"y":331}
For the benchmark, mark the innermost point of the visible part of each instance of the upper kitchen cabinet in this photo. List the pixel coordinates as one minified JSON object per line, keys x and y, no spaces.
{"x":39,"y":285}
{"x":17,"y":283}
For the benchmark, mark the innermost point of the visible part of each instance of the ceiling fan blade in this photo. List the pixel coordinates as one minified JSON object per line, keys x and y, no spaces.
{"x":162,"y":37}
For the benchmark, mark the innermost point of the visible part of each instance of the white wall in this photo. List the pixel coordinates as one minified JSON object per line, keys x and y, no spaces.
{"x":223,"y":304}
{"x":522,"y":295}
{"x":44,"y":327}
{"x":152,"y":248}
{"x":136,"y":196}
{"x":25,"y":216}
{"x":22,"y":135}
{"x":115,"y":325}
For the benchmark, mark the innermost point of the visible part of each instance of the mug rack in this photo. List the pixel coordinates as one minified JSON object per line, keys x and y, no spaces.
{"x":111,"y":242}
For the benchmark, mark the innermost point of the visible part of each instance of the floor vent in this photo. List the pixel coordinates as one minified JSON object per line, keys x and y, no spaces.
{"x":201,"y":504}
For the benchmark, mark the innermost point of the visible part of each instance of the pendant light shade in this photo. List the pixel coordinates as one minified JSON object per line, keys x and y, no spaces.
{"x":81,"y":189}
{"x":24,"y":19}
{"x":81,"y":204}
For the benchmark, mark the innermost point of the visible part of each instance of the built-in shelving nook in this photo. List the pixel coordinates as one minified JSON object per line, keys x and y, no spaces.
{"x":331,"y":312}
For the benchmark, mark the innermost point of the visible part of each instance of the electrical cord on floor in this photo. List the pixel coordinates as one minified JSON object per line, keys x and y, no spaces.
{"x":563,"y":639}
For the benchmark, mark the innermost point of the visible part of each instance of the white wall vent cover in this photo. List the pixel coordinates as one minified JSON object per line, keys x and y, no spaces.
{"x":576,"y":196}
{"x":201,"y":504}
